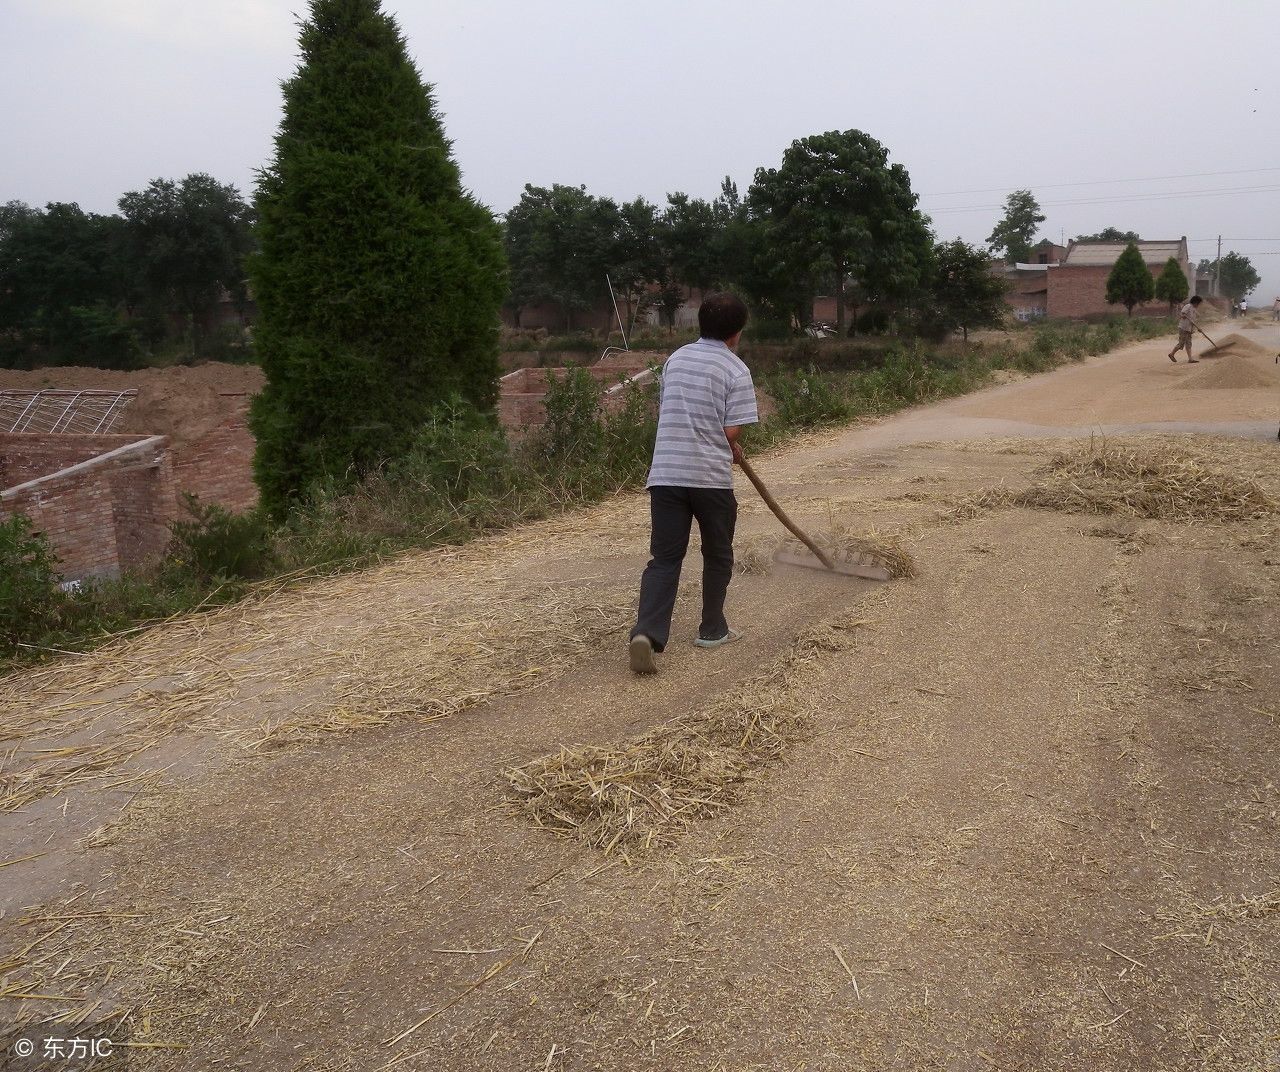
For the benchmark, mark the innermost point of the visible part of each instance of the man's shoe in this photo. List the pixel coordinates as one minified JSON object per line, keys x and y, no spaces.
{"x":642,"y":661}
{"x":719,"y":642}
{"x":1193,"y":361}
{"x":1173,"y":359}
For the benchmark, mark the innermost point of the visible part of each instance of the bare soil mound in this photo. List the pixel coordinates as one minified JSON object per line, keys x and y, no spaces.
{"x":1235,"y":343}
{"x":183,"y":402}
{"x":1232,"y":373}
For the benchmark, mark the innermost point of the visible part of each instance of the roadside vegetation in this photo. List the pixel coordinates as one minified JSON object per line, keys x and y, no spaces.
{"x":462,"y":478}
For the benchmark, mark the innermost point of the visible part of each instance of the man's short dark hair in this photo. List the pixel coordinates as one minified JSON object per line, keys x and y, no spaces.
{"x":721,"y":315}
{"x":1196,"y":300}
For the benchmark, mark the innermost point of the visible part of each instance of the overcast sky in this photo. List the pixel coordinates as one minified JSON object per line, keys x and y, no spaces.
{"x":1160,"y":116}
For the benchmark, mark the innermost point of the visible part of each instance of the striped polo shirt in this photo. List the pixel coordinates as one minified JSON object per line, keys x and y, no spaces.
{"x":705,"y":389}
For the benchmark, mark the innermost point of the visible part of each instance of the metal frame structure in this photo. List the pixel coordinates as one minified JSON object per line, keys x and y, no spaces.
{"x":63,"y":412}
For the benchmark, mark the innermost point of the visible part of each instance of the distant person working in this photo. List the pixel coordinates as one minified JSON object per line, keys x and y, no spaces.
{"x":1186,"y":328}
{"x":706,"y":398}
{"x":1244,"y":307}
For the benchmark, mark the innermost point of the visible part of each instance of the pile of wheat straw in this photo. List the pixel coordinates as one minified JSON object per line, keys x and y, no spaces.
{"x":1166,"y":483}
{"x":627,"y":799}
{"x":885,"y":547}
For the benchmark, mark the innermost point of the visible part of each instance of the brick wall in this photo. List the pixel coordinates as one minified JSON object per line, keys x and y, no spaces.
{"x":1081,"y":290}
{"x":103,"y":514}
{"x":218,"y":466}
{"x":27,"y":457}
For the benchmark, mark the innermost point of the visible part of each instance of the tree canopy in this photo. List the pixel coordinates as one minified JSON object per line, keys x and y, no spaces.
{"x":77,"y":287}
{"x":379,"y":279}
{"x":1237,"y":277}
{"x":187,"y":242}
{"x":1172,"y":285}
{"x":1130,"y":281}
{"x":1011,"y":238}
{"x":1110,"y":234}
{"x":837,"y":209}
{"x":560,"y":243}
{"x":966,"y":293}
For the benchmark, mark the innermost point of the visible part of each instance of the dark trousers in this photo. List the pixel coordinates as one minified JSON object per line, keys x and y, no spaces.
{"x":672,"y":511}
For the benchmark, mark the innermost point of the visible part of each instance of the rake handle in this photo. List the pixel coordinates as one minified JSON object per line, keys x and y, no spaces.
{"x":781,"y":515}
{"x":1198,"y":328}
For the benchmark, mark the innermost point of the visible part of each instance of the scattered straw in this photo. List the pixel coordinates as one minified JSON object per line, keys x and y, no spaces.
{"x":1244,"y":908}
{"x":885,"y":547}
{"x":1169,"y":483}
{"x":415,"y":640}
{"x":628,"y":799}
{"x":756,"y":554}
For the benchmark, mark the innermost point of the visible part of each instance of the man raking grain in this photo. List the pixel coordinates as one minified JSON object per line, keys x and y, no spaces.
{"x":707,"y":396}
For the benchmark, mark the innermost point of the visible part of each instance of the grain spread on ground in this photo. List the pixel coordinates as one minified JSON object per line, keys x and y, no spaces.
{"x":1017,"y":811}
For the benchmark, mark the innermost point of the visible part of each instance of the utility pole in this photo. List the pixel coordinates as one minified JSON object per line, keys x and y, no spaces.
{"x":1217,"y":268}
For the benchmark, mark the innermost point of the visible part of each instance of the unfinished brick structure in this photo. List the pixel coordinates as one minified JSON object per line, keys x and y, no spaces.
{"x":218,"y":466}
{"x":521,"y":407}
{"x":104,"y":501}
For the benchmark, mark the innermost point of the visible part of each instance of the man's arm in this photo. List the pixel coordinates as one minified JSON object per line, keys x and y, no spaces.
{"x":732,"y":434}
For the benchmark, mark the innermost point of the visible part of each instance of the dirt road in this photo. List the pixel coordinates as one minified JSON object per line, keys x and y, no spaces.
{"x":1025,"y":815}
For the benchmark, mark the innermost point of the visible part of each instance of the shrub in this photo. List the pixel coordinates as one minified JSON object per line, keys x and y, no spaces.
{"x":573,"y":428}
{"x":459,"y":454}
{"x":31,"y":600}
{"x":570,"y":344}
{"x":806,"y":399}
{"x":217,"y":545}
{"x":629,"y":430}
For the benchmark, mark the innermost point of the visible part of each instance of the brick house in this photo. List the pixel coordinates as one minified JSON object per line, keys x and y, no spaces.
{"x":1077,"y":287}
{"x":1046,"y":252}
{"x":1026,"y":288}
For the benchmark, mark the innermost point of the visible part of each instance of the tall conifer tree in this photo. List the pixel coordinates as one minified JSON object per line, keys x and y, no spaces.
{"x":379,"y":279}
{"x":1130,"y":282}
{"x":1172,"y":285}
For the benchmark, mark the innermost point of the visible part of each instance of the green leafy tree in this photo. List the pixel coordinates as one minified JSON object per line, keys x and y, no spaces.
{"x":637,"y":260}
{"x":1130,"y":281}
{"x":1237,"y":278}
{"x":561,"y":243}
{"x":1172,"y":285}
{"x":62,"y":285}
{"x":690,"y":237}
{"x":188,"y":242}
{"x":1011,"y":237}
{"x":379,"y":279}
{"x":836,"y":209}
{"x":966,"y":293}
{"x":1109,"y":234}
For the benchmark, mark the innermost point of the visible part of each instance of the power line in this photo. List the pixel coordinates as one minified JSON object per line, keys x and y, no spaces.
{"x":1123,"y":199}
{"x":1104,"y":182}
